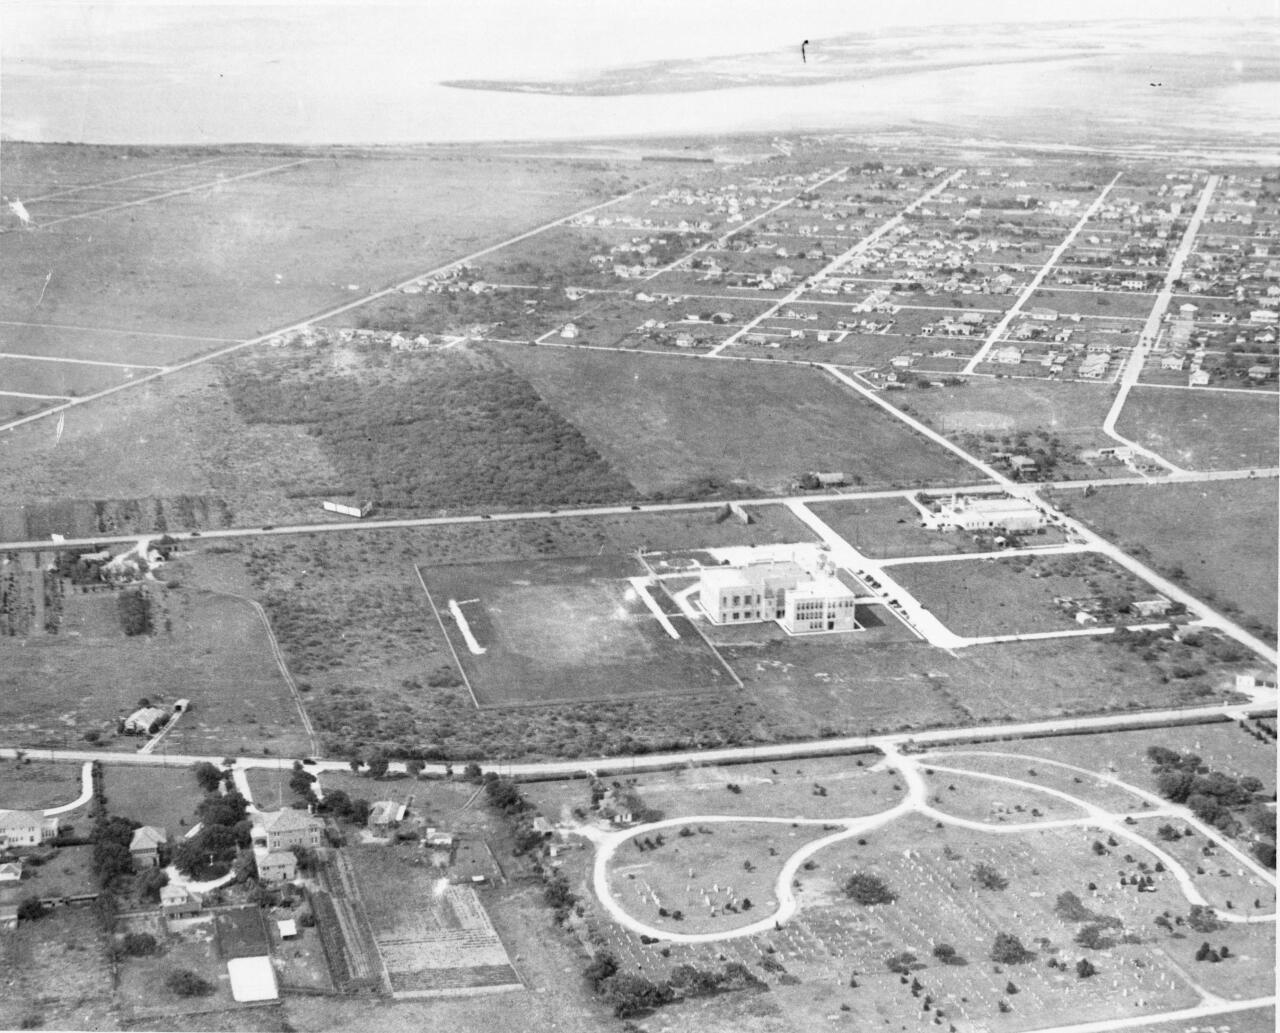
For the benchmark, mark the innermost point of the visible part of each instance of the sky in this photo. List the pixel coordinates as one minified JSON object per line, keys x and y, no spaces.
{"x":506,"y":38}
{"x":346,"y":72}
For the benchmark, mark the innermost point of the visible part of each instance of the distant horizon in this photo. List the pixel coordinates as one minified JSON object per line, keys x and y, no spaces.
{"x":369,"y":76}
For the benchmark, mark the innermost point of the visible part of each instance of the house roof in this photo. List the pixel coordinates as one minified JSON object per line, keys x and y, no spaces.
{"x":252,"y":979}
{"x":11,"y":870}
{"x":148,"y":837}
{"x":288,"y":819}
{"x":277,"y":859}
{"x":20,"y":819}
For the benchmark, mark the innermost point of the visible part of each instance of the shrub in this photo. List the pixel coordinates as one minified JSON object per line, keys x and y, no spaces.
{"x":989,"y":878}
{"x":1007,"y":949}
{"x":868,"y":890}
{"x":139,"y":945}
{"x":186,"y":983}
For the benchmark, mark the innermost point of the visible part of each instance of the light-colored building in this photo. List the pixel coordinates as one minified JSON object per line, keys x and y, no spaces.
{"x":179,"y":902}
{"x":145,"y":846}
{"x":276,"y":865}
{"x":142,"y":720}
{"x":801,"y":601}
{"x":25,"y":828}
{"x":283,"y":829}
{"x":1094,"y":366}
{"x":966,"y":513}
{"x":384,"y":816}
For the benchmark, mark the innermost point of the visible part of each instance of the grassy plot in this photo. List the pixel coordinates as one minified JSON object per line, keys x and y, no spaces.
{"x":665,"y":423}
{"x":173,"y":439}
{"x":166,"y":796}
{"x":210,"y":650}
{"x":841,"y":685}
{"x":1016,"y":595}
{"x":57,"y":974}
{"x":104,"y":344}
{"x":1204,"y":430}
{"x":555,"y":631}
{"x":66,"y":379}
{"x":33,"y":786}
{"x":706,"y":877}
{"x":1180,"y":529}
{"x":240,"y":259}
{"x":425,"y":431}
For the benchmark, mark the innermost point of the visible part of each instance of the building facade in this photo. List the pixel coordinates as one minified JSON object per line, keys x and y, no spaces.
{"x":801,"y":601}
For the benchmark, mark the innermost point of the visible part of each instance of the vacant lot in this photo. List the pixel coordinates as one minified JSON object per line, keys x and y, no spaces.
{"x":209,"y":649}
{"x":166,"y":796}
{"x":238,"y":259}
{"x":61,"y":379}
{"x":668,"y":422}
{"x":1218,"y":539}
{"x":117,"y":346}
{"x":175,"y":443}
{"x":1133,"y":305}
{"x":413,"y":431}
{"x":33,"y":786}
{"x":1204,"y":430}
{"x":1015,"y":595}
{"x":556,"y":631}
{"x":1003,"y":408}
{"x":57,"y":974}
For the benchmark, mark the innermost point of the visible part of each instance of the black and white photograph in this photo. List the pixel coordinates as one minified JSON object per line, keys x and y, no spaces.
{"x":639,"y":516}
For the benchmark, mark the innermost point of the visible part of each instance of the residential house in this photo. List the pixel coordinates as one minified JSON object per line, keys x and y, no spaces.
{"x":1157,"y":607}
{"x":1009,"y":355}
{"x":1200,"y":378}
{"x":277,"y":865}
{"x":11,"y":871}
{"x":1259,"y":372}
{"x":179,"y":902}
{"x":1022,"y":464}
{"x":145,"y":846}
{"x":25,"y":828}
{"x":384,"y":816}
{"x":144,"y":719}
{"x":569,"y":331}
{"x":286,"y":828}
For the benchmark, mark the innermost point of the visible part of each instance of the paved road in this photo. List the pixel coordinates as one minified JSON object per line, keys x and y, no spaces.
{"x":1262,"y":702}
{"x":998,"y":331}
{"x":810,"y":281}
{"x":1151,"y":330}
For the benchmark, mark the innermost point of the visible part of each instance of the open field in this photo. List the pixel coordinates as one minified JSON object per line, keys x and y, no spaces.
{"x":1220,"y":541}
{"x":166,"y":797}
{"x":1226,"y":885}
{"x":1016,"y":593}
{"x":1072,"y":412}
{"x":65,"y":379}
{"x":171,"y":453}
{"x":239,"y":258}
{"x":57,"y":972}
{"x":1133,"y":305}
{"x":414,"y":432}
{"x":33,"y":786}
{"x":814,"y":787}
{"x":839,"y":685}
{"x":53,"y":340}
{"x":708,"y":421}
{"x":563,"y":630}
{"x":1204,"y":430}
{"x":209,"y":649}
{"x":1222,"y":746}
{"x":890,"y":528}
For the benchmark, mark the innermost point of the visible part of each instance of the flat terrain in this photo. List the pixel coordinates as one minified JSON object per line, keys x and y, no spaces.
{"x":57,"y":972}
{"x":665,"y":422}
{"x":237,"y":259}
{"x":1204,"y":430}
{"x":1221,"y":537}
{"x":212,"y":650}
{"x":566,"y":630}
{"x":890,"y":528}
{"x":1016,"y":593}
{"x":33,"y":786}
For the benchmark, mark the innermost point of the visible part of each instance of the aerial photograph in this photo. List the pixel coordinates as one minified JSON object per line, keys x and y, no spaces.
{"x":639,"y":516}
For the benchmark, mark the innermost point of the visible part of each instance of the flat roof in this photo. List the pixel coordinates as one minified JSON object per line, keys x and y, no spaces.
{"x":252,"y":979}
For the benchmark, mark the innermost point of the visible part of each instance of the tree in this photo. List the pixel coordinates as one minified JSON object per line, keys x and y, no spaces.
{"x":151,"y":882}
{"x":633,"y":995}
{"x":1093,"y":937}
{"x":989,"y":878}
{"x":30,"y":909}
{"x":377,"y":764}
{"x":414,"y":767}
{"x":139,"y":945}
{"x":1007,"y":949}
{"x":186,"y":983}
{"x":602,"y":966}
{"x":1085,"y":968}
{"x":207,"y":776}
{"x":946,"y":953}
{"x":868,"y":890}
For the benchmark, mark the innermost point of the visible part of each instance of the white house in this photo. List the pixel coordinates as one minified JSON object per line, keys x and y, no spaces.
{"x":25,"y":828}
